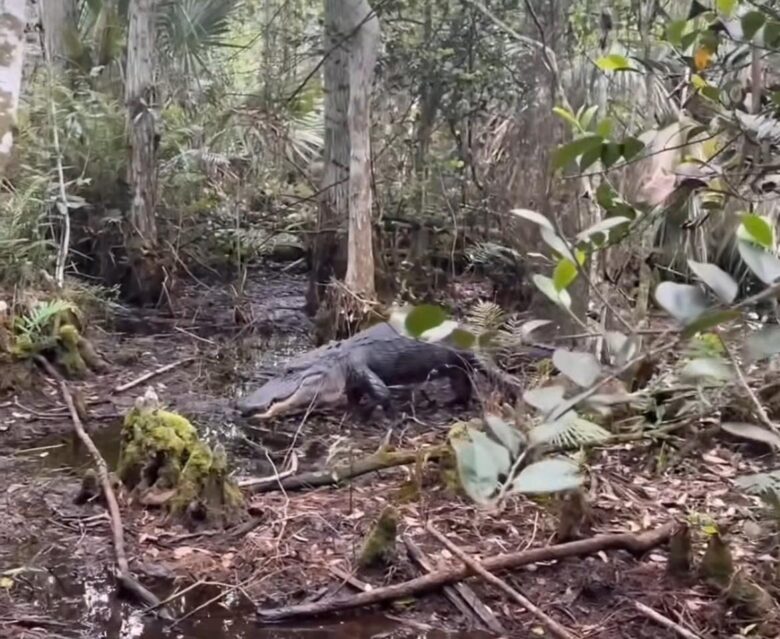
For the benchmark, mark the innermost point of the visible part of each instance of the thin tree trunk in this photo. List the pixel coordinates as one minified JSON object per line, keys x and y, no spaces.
{"x":334,"y":198}
{"x":363,"y":54}
{"x":141,"y":236}
{"x":58,"y":18}
{"x":12,"y":21}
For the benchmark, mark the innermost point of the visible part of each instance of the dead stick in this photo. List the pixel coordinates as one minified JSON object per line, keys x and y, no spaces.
{"x":124,"y":575}
{"x":635,"y":543}
{"x":553,"y":626}
{"x":665,"y":621}
{"x":158,"y":371}
{"x":349,"y":470}
{"x":460,"y":595}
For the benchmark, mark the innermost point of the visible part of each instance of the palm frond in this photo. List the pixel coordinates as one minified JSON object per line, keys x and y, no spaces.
{"x":570,"y":431}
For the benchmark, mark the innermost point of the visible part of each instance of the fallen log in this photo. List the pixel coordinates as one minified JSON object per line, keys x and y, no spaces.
{"x":348,"y":470}
{"x":636,"y":544}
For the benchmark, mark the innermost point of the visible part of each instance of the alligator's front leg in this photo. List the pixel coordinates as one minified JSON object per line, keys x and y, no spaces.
{"x":365,"y":381}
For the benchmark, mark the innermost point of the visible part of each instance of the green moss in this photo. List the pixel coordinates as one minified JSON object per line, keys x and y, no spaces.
{"x":379,"y":546}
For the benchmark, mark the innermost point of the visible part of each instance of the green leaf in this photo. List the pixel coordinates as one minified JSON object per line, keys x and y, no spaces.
{"x":533,"y":216}
{"x":568,"y":116}
{"x":752,"y":21}
{"x":726,"y":7}
{"x":546,"y":286}
{"x":568,"y":153}
{"x":548,"y":476}
{"x":603,"y":226}
{"x":682,"y":301}
{"x":480,"y":461}
{"x":564,"y":274}
{"x":759,"y":230}
{"x":621,"y":347}
{"x":696,"y":9}
{"x":764,"y":342}
{"x":674,"y":32}
{"x":708,"y":368}
{"x":587,"y":115}
{"x":440,"y":332}
{"x":557,"y":244}
{"x":613,"y":62}
{"x":772,"y":34}
{"x":532,"y":325}
{"x":590,"y":157}
{"x":604,"y":127}
{"x":581,"y":368}
{"x":424,"y":317}
{"x":512,"y":439}
{"x":463,"y":339}
{"x":722,"y":284}
{"x":545,"y":398}
{"x":710,"y":320}
{"x":763,"y":263}
{"x":753,"y":432}
{"x":631,"y":147}
{"x":610,"y":153}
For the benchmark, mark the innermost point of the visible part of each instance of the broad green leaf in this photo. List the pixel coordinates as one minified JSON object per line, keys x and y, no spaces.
{"x":548,"y":476}
{"x":610,"y":153}
{"x":479,"y":480}
{"x":753,"y":432}
{"x":533,"y":216}
{"x":772,"y":34}
{"x":568,"y":431}
{"x":568,"y":153}
{"x":568,"y":116}
{"x":564,"y":274}
{"x":423,"y":318}
{"x":440,"y":332}
{"x":604,"y":127}
{"x":587,"y":115}
{"x":590,"y":157}
{"x":759,"y":230}
{"x":532,"y":325}
{"x":557,"y":244}
{"x":545,"y":398}
{"x":546,"y":286}
{"x":486,"y":339}
{"x":722,"y":284}
{"x":708,"y":368}
{"x":726,"y":7}
{"x":621,"y":347}
{"x":752,"y":21}
{"x":462,"y":338}
{"x":512,"y":439}
{"x":764,"y":342}
{"x":603,"y":226}
{"x":710,"y":320}
{"x":491,"y":453}
{"x":674,"y":32}
{"x":631,"y":147}
{"x":682,"y":301}
{"x":613,"y":62}
{"x":763,"y":263}
{"x":581,"y":368}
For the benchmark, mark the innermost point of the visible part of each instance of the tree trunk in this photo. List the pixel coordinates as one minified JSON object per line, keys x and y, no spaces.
{"x":12,"y":21}
{"x":333,"y":204}
{"x":141,"y":234}
{"x":58,"y":18}
{"x":362,"y":59}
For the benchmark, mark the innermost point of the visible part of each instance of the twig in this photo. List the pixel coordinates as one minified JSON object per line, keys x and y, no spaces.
{"x":665,"y":621}
{"x":634,"y":543}
{"x":124,"y":576}
{"x":460,"y":595}
{"x":350,"y":579}
{"x":158,"y":371}
{"x":254,"y":482}
{"x":349,"y":470}
{"x":553,"y":626}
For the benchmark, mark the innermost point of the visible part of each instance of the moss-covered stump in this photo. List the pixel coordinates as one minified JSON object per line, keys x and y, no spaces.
{"x":163,"y":462}
{"x":379,"y":546}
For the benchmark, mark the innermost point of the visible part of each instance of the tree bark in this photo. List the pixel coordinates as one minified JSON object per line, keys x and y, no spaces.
{"x":58,"y":18}
{"x":334,"y":196}
{"x":141,"y":233}
{"x":362,"y":59}
{"x":12,"y":21}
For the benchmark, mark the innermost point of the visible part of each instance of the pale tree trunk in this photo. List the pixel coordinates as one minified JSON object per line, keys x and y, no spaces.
{"x":334,"y":196}
{"x":141,"y":236}
{"x":364,"y":47}
{"x":12,"y":21}
{"x":58,"y":18}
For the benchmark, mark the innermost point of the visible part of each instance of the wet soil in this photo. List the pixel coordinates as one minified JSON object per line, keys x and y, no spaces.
{"x":56,"y":557}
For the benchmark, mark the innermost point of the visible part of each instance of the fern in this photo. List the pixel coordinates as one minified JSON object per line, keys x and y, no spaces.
{"x":766,"y":486}
{"x":36,"y":323}
{"x":568,"y":432}
{"x":485,"y":316}
{"x":492,"y":253}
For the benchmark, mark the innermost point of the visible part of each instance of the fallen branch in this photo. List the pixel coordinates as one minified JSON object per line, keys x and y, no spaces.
{"x":665,"y":621}
{"x":158,"y":371}
{"x":349,"y":470}
{"x":124,"y":576}
{"x":254,"y":483}
{"x":635,"y":543}
{"x":460,"y":595}
{"x":553,"y":626}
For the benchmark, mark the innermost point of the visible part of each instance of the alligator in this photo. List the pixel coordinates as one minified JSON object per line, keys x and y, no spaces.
{"x":368,"y":363}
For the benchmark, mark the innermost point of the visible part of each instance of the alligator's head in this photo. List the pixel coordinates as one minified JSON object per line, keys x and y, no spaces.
{"x":292,"y":392}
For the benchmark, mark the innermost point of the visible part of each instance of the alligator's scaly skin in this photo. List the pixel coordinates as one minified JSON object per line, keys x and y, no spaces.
{"x":365,"y":364}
